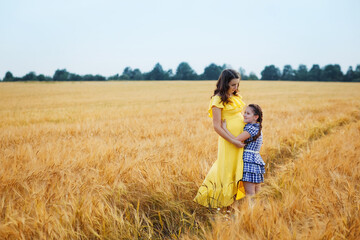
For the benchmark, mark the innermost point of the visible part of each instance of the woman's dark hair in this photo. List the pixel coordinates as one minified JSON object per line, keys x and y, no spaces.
{"x":222,"y":85}
{"x":257,"y":112}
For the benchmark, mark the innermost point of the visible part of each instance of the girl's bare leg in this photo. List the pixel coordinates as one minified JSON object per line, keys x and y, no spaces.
{"x":257,"y":187}
{"x":249,"y":188}
{"x":250,"y":192}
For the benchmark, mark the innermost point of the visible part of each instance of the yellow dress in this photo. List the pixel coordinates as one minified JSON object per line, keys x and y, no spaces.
{"x":222,"y":181}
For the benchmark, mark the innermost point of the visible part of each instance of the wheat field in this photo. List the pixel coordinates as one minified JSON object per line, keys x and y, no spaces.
{"x":123,"y":160}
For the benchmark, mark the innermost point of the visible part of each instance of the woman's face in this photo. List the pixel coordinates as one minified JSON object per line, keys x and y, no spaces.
{"x":233,"y":85}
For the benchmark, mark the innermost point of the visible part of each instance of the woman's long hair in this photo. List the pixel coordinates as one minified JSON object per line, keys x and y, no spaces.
{"x":222,"y":85}
{"x":257,"y":112}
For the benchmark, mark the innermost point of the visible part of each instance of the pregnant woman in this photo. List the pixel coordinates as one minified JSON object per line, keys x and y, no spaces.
{"x":222,"y":183}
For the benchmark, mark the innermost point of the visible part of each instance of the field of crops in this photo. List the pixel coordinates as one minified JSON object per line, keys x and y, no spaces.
{"x":123,"y":160}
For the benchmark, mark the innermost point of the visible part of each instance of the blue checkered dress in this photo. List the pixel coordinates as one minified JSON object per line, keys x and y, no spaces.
{"x":254,"y":166}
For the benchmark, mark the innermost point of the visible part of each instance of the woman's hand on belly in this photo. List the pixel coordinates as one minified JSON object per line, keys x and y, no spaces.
{"x":235,"y":126}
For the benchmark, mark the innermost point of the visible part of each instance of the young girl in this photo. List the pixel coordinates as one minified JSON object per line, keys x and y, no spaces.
{"x":254,"y":166}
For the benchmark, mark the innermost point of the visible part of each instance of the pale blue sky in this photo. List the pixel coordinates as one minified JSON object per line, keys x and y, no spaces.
{"x":103,"y":37}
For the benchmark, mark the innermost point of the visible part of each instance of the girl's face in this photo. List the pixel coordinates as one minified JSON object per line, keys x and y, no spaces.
{"x":249,"y":116}
{"x":233,"y":86}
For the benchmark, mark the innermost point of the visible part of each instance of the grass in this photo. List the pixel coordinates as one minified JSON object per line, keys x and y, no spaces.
{"x":123,"y":160}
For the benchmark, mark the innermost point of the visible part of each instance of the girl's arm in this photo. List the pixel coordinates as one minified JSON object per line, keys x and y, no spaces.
{"x":241,"y":137}
{"x":217,"y":127}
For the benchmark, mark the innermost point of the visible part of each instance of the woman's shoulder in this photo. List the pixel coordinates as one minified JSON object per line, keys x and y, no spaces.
{"x":237,"y":102}
{"x":234,"y":101}
{"x":217,"y":96}
{"x":238,"y":95}
{"x":216,"y":102}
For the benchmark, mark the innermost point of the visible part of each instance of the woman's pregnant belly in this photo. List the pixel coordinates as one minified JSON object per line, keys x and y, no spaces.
{"x":235,"y":125}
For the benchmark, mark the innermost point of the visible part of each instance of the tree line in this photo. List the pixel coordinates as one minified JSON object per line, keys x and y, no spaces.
{"x":330,"y":72}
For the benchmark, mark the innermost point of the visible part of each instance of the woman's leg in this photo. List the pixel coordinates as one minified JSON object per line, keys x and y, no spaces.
{"x":249,"y":188}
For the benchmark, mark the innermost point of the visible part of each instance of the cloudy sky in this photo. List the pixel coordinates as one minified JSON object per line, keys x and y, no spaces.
{"x":103,"y":37}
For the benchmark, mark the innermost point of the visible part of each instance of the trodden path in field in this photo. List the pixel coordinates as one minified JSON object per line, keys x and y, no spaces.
{"x":294,"y":144}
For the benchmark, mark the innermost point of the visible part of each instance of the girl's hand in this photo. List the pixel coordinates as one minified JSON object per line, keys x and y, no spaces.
{"x":238,"y":144}
{"x":223,"y":124}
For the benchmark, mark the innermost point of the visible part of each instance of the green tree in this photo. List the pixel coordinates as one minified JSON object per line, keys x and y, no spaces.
{"x":157,"y":73}
{"x":114,"y":77}
{"x":61,"y":75}
{"x":211,"y":72}
{"x":75,"y":77}
{"x":357,"y":74}
{"x":48,"y":78}
{"x":270,"y":73}
{"x":137,"y":75}
{"x":332,"y":73}
{"x":170,"y":74}
{"x":243,"y":74}
{"x":315,"y":73}
{"x":99,"y":77}
{"x":288,"y":73}
{"x":185,"y":72}
{"x":31,"y":76}
{"x":339,"y":76}
{"x":8,"y":77}
{"x":302,"y":73}
{"x":252,"y":76}
{"x":90,"y":77}
{"x":41,"y":78}
{"x":124,"y":77}
{"x":127,"y":74}
{"x":349,"y":76}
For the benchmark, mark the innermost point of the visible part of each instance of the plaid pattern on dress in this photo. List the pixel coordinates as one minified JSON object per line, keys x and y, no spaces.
{"x":253,"y":163}
{"x":253,"y":177}
{"x":254,"y":168}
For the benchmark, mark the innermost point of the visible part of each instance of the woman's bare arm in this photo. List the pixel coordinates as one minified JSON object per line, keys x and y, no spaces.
{"x":223,"y":125}
{"x":241,"y":137}
{"x":217,"y":127}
